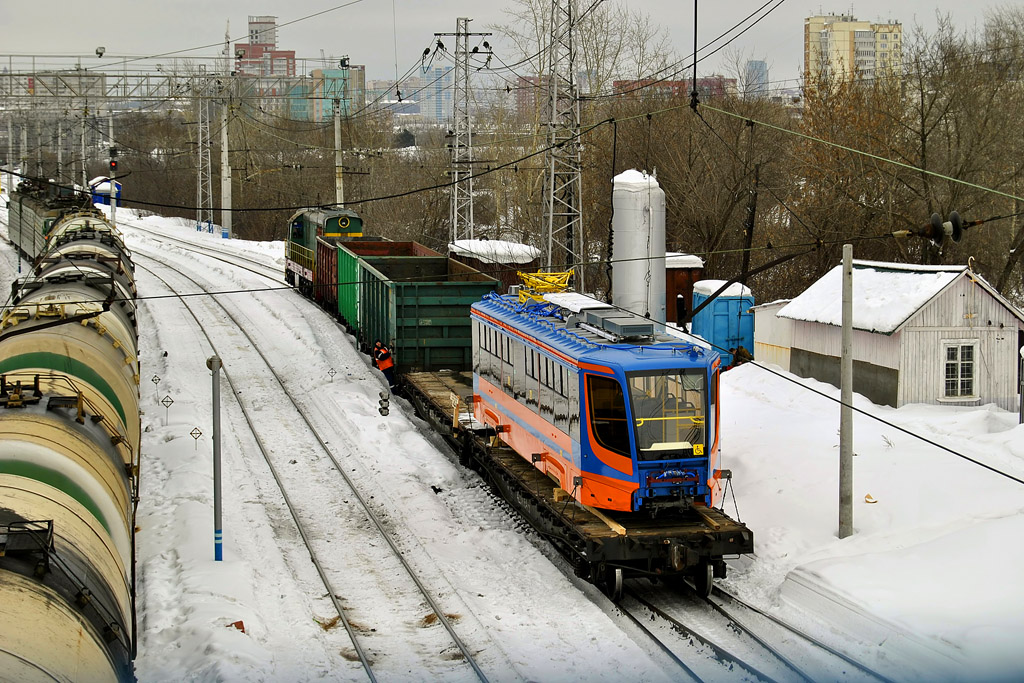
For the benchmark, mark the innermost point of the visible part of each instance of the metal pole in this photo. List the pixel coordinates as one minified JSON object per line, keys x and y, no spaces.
{"x":39,"y":151}
{"x":225,"y":173}
{"x":60,"y":150}
{"x":24,"y":149}
{"x":10,"y":154}
{"x":846,"y":394}
{"x":85,"y":180}
{"x":214,"y":364}
{"x":111,"y":182}
{"x":339,"y":158}
{"x":1021,"y":420}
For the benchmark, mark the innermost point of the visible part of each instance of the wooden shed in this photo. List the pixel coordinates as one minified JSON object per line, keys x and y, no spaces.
{"x":922,"y":334}
{"x":682,"y":271}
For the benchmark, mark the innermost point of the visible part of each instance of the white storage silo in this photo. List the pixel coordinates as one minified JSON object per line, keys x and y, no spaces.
{"x":638,"y":244}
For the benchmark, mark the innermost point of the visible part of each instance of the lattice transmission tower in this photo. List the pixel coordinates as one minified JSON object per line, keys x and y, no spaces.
{"x":563,"y":217}
{"x":204,"y":179}
{"x":461,"y":138}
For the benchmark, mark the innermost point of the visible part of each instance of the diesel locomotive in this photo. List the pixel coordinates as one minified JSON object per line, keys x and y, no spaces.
{"x":69,"y":445}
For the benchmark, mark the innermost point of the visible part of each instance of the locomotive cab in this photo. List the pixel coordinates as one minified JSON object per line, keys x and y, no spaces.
{"x":303,"y":229}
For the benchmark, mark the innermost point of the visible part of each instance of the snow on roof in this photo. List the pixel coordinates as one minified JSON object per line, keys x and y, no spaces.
{"x":495,"y":251}
{"x":634,"y":181}
{"x":674,"y":259}
{"x":884,"y":294}
{"x":101,"y":184}
{"x":709,"y":287}
{"x":772,"y":304}
{"x":574,"y":301}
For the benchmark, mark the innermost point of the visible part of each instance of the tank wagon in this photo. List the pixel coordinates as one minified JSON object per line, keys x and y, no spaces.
{"x":69,"y":452}
{"x":601,"y":430}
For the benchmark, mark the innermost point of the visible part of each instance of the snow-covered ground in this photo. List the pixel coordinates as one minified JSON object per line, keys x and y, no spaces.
{"x":928,"y":588}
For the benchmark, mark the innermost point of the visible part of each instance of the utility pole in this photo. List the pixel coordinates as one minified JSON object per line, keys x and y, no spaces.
{"x":60,"y":149}
{"x":846,"y":396}
{"x":225,"y":159}
{"x":10,"y":154}
{"x":225,"y":173}
{"x":113,"y":169}
{"x":339,"y":158}
{"x":24,"y":149}
{"x":461,"y":145}
{"x":214,"y":364}
{"x":562,"y":170}
{"x":39,"y":150}
{"x":85,"y":180}
{"x":1021,"y":375}
{"x":339,"y":102}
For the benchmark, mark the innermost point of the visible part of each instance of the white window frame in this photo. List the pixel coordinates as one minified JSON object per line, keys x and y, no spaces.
{"x":959,"y":344}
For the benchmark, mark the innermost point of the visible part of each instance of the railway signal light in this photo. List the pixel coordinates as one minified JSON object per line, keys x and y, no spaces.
{"x":113,"y":166}
{"x":384,"y":402}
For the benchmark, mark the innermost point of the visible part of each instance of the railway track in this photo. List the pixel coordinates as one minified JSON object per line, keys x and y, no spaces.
{"x":735,"y":638}
{"x":271,"y":272}
{"x":797,"y":645}
{"x":340,"y":559}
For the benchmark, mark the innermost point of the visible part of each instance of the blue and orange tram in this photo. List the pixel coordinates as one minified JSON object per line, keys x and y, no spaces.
{"x":621,"y":416}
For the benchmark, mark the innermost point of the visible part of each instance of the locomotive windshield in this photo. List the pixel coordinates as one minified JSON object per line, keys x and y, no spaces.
{"x":669,"y":408}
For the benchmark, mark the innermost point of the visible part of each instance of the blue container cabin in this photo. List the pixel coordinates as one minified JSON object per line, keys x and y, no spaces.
{"x":728,"y":321}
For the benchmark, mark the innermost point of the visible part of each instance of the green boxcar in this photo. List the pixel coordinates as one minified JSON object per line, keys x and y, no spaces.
{"x":418,"y":305}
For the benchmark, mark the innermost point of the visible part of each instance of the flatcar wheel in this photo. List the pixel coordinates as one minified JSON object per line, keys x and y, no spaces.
{"x":613,"y":583}
{"x":702,"y":579}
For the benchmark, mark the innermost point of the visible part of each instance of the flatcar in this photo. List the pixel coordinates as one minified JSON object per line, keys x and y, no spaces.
{"x":69,"y":451}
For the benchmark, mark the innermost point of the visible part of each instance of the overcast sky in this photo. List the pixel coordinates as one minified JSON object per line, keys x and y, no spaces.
{"x":368,"y":30}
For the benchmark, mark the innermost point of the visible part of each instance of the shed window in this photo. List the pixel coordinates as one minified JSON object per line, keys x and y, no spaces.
{"x":959,"y":369}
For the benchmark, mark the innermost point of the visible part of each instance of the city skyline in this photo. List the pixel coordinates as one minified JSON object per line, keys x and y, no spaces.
{"x":390,"y":40}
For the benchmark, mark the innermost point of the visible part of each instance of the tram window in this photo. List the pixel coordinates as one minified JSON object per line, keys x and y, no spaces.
{"x":531,"y":363}
{"x":608,"y":419}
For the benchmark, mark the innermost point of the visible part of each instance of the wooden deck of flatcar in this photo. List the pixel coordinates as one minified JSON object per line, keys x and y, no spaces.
{"x":672,"y":540}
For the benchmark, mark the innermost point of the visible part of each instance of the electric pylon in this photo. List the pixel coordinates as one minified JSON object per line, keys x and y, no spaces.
{"x":562,"y":185}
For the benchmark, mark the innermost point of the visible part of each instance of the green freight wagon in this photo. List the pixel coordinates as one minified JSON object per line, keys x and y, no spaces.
{"x":417,"y":304}
{"x":349,"y":277}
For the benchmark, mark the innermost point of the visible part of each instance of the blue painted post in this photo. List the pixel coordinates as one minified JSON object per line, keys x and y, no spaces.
{"x":214,"y":364}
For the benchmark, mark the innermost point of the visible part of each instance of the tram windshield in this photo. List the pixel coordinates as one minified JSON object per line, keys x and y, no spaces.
{"x":669,"y":410}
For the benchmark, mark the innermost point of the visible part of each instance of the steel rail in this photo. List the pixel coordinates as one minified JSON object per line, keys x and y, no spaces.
{"x":439,"y":613}
{"x":721,"y":609}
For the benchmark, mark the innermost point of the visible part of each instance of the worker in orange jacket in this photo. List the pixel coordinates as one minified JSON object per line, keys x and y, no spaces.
{"x":384,"y":362}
